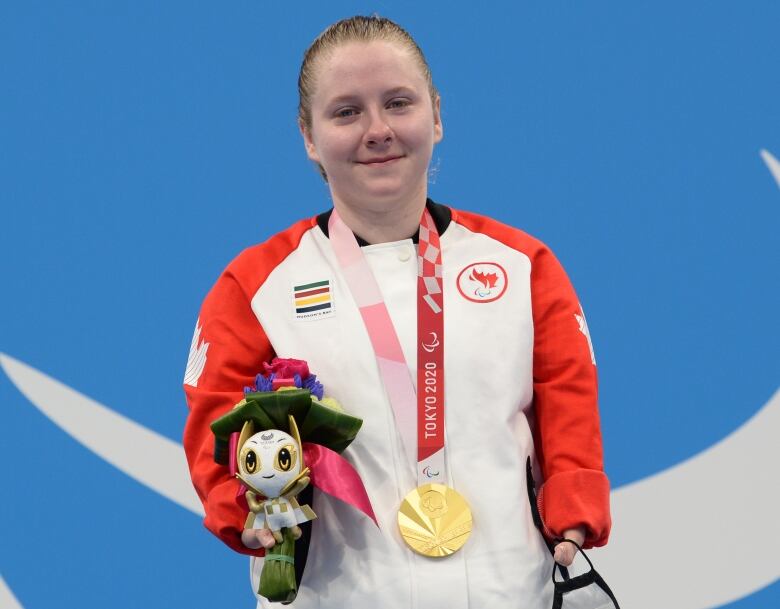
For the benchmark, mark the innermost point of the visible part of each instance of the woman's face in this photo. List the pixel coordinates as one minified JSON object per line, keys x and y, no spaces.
{"x":373,"y":124}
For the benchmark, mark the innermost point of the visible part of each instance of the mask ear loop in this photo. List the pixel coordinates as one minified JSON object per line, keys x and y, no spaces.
{"x":579,"y":581}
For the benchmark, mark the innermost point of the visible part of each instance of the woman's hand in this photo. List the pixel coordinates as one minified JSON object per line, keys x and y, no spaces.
{"x":565,"y":551}
{"x":254,"y":538}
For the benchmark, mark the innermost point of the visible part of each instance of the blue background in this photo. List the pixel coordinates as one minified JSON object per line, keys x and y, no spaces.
{"x":144,"y":144}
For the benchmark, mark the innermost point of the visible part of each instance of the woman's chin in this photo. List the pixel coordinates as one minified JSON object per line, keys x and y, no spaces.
{"x":381,"y":193}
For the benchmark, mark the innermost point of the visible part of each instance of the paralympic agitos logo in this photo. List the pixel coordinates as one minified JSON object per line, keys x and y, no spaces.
{"x":432,"y":343}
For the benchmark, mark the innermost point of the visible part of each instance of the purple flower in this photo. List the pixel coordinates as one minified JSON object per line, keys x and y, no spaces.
{"x":264,"y":384}
{"x":312,"y":384}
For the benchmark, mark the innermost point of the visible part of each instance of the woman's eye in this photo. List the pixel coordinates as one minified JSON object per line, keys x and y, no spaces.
{"x":398,"y":103}
{"x":346,"y":112}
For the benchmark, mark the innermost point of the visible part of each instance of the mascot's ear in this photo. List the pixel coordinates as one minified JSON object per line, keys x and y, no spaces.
{"x":247,"y":431}
{"x":294,"y":432}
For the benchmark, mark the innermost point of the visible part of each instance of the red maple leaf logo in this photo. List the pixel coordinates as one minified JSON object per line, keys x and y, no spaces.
{"x":488,"y":280}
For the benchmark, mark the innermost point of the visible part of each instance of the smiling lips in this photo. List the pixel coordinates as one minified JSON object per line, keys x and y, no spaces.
{"x":379,"y":160}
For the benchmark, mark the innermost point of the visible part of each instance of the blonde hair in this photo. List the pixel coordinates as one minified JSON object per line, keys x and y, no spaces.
{"x":353,"y":29}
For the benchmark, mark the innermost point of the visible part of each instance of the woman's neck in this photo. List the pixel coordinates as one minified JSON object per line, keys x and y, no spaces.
{"x":383,"y":224}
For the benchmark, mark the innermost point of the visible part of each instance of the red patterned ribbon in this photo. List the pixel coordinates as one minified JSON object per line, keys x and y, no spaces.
{"x":430,"y":345}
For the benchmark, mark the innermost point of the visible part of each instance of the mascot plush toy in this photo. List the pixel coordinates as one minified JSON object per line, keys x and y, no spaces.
{"x":270,"y":464}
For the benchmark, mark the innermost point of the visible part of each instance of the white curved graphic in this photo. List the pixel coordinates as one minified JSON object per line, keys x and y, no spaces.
{"x":583,"y":326}
{"x":196,"y":361}
{"x":773,"y":164}
{"x":7,"y":598}
{"x":696,"y":536}
{"x":141,"y":453}
{"x":701,"y":534}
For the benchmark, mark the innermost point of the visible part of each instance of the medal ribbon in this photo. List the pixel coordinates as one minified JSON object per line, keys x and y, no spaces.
{"x":393,"y":369}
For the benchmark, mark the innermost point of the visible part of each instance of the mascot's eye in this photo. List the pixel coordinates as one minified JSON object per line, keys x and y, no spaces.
{"x":250,"y":462}
{"x":285,"y":458}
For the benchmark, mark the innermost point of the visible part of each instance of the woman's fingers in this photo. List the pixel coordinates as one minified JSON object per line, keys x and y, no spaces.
{"x":254,"y":538}
{"x":266,"y":538}
{"x":249,"y":539}
{"x":564,"y":553}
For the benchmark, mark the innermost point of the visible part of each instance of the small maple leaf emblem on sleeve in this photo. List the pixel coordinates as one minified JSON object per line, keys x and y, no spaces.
{"x":583,"y":324}
{"x":196,"y":361}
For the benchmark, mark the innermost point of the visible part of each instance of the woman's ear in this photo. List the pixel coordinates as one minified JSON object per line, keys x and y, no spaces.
{"x":308,"y":143}
{"x":438,"y":128}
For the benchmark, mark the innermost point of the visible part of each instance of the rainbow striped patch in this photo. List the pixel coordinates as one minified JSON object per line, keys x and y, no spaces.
{"x":313,"y":299}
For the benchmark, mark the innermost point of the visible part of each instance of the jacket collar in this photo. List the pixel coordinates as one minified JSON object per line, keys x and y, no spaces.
{"x":441,"y":214}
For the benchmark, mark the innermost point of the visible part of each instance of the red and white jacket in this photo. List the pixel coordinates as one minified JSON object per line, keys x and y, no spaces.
{"x":520,"y":382}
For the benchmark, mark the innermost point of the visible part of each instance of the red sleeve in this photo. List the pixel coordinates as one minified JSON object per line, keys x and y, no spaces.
{"x":228,"y":350}
{"x":568,"y":437}
{"x":576,"y":490}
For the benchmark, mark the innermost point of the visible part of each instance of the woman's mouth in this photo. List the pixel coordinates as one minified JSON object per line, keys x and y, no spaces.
{"x":379,"y":161}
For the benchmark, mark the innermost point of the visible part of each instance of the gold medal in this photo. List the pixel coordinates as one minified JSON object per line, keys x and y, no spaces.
{"x":434,"y":520}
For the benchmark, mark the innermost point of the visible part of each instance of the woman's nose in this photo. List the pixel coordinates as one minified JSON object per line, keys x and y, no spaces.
{"x":378,"y":131}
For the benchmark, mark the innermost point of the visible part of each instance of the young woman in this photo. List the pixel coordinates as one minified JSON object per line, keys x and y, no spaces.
{"x":517,"y":361}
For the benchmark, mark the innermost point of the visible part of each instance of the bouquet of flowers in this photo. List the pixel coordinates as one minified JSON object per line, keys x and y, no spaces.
{"x":284,"y":435}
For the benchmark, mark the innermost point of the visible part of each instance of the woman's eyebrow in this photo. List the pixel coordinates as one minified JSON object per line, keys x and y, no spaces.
{"x":343,"y":99}
{"x":351,"y":97}
{"x":401,"y":89}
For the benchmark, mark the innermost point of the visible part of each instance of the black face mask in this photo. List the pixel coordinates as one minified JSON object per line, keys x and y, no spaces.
{"x":571,"y":593}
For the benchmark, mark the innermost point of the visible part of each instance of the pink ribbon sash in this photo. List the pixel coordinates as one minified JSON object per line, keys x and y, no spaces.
{"x":334,"y":475}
